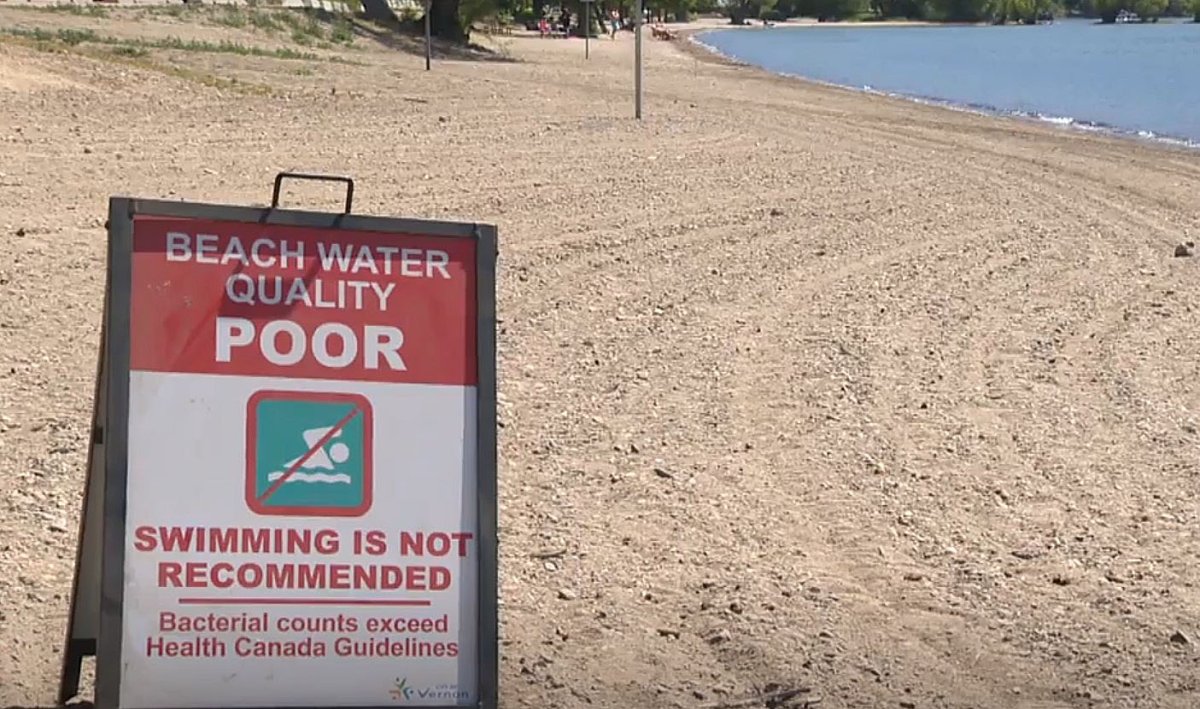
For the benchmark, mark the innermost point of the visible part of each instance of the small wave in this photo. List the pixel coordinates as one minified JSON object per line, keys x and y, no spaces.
{"x":1060,"y":121}
{"x":312,"y":478}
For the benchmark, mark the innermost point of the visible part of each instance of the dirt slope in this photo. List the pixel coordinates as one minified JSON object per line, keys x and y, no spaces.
{"x":895,"y":402}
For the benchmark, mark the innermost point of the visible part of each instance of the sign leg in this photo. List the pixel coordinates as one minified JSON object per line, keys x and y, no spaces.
{"x":83,"y":621}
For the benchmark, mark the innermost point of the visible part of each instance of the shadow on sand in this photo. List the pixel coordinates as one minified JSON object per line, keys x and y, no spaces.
{"x":378,"y":24}
{"x":411,"y":40}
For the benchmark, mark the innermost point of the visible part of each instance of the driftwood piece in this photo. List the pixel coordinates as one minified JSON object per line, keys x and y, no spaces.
{"x":772,"y":697}
{"x":549,"y":553}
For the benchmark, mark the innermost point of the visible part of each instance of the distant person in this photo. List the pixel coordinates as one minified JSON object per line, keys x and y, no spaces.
{"x":544,"y":26}
{"x":614,"y":22}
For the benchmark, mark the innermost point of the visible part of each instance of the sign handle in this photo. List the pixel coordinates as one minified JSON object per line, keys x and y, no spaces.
{"x":320,"y":178}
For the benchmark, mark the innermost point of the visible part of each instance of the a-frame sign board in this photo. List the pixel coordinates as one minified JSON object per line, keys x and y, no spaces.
{"x":291,"y":491}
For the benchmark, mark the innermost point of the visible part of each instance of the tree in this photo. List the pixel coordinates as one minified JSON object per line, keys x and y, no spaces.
{"x":792,"y":8}
{"x":1107,"y":10}
{"x":1150,"y":9}
{"x":444,"y":21}
{"x":906,"y":9}
{"x":959,"y":11}
{"x":680,"y":10}
{"x":1023,"y":11}
{"x":1146,"y":9}
{"x":741,"y":10}
{"x":839,"y":9}
{"x":452,"y":19}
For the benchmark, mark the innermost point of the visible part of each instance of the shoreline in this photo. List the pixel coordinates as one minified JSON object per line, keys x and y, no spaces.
{"x":692,"y":44}
{"x":718,"y":23}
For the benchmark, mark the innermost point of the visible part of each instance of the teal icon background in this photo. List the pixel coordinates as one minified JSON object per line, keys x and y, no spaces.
{"x":334,"y":479}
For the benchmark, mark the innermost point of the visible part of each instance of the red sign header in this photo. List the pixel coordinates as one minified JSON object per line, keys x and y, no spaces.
{"x":220,"y":297}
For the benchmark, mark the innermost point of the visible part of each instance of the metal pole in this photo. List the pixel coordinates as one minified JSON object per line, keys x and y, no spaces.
{"x":587,"y":29}
{"x":637,"y":61}
{"x":428,"y":36}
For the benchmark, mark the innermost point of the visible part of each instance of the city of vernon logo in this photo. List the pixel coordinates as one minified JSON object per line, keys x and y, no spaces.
{"x":401,"y":690}
{"x":450,"y":693}
{"x":309,"y":454}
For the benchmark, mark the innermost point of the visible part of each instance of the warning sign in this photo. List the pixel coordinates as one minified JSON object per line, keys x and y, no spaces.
{"x":308,"y":453}
{"x":299,"y":461}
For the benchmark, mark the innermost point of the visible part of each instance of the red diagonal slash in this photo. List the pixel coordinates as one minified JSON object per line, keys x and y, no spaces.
{"x":300,"y":461}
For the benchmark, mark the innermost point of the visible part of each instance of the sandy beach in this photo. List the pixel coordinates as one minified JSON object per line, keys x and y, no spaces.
{"x":799,"y":386}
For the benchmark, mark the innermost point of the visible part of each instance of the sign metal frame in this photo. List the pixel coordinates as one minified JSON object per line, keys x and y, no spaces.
{"x":84,"y":616}
{"x":114,"y":373}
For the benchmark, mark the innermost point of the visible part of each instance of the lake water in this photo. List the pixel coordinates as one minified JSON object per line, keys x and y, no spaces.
{"x":1135,"y":79}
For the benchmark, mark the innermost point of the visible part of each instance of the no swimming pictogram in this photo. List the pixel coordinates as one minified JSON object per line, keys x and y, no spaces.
{"x":309,"y":454}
